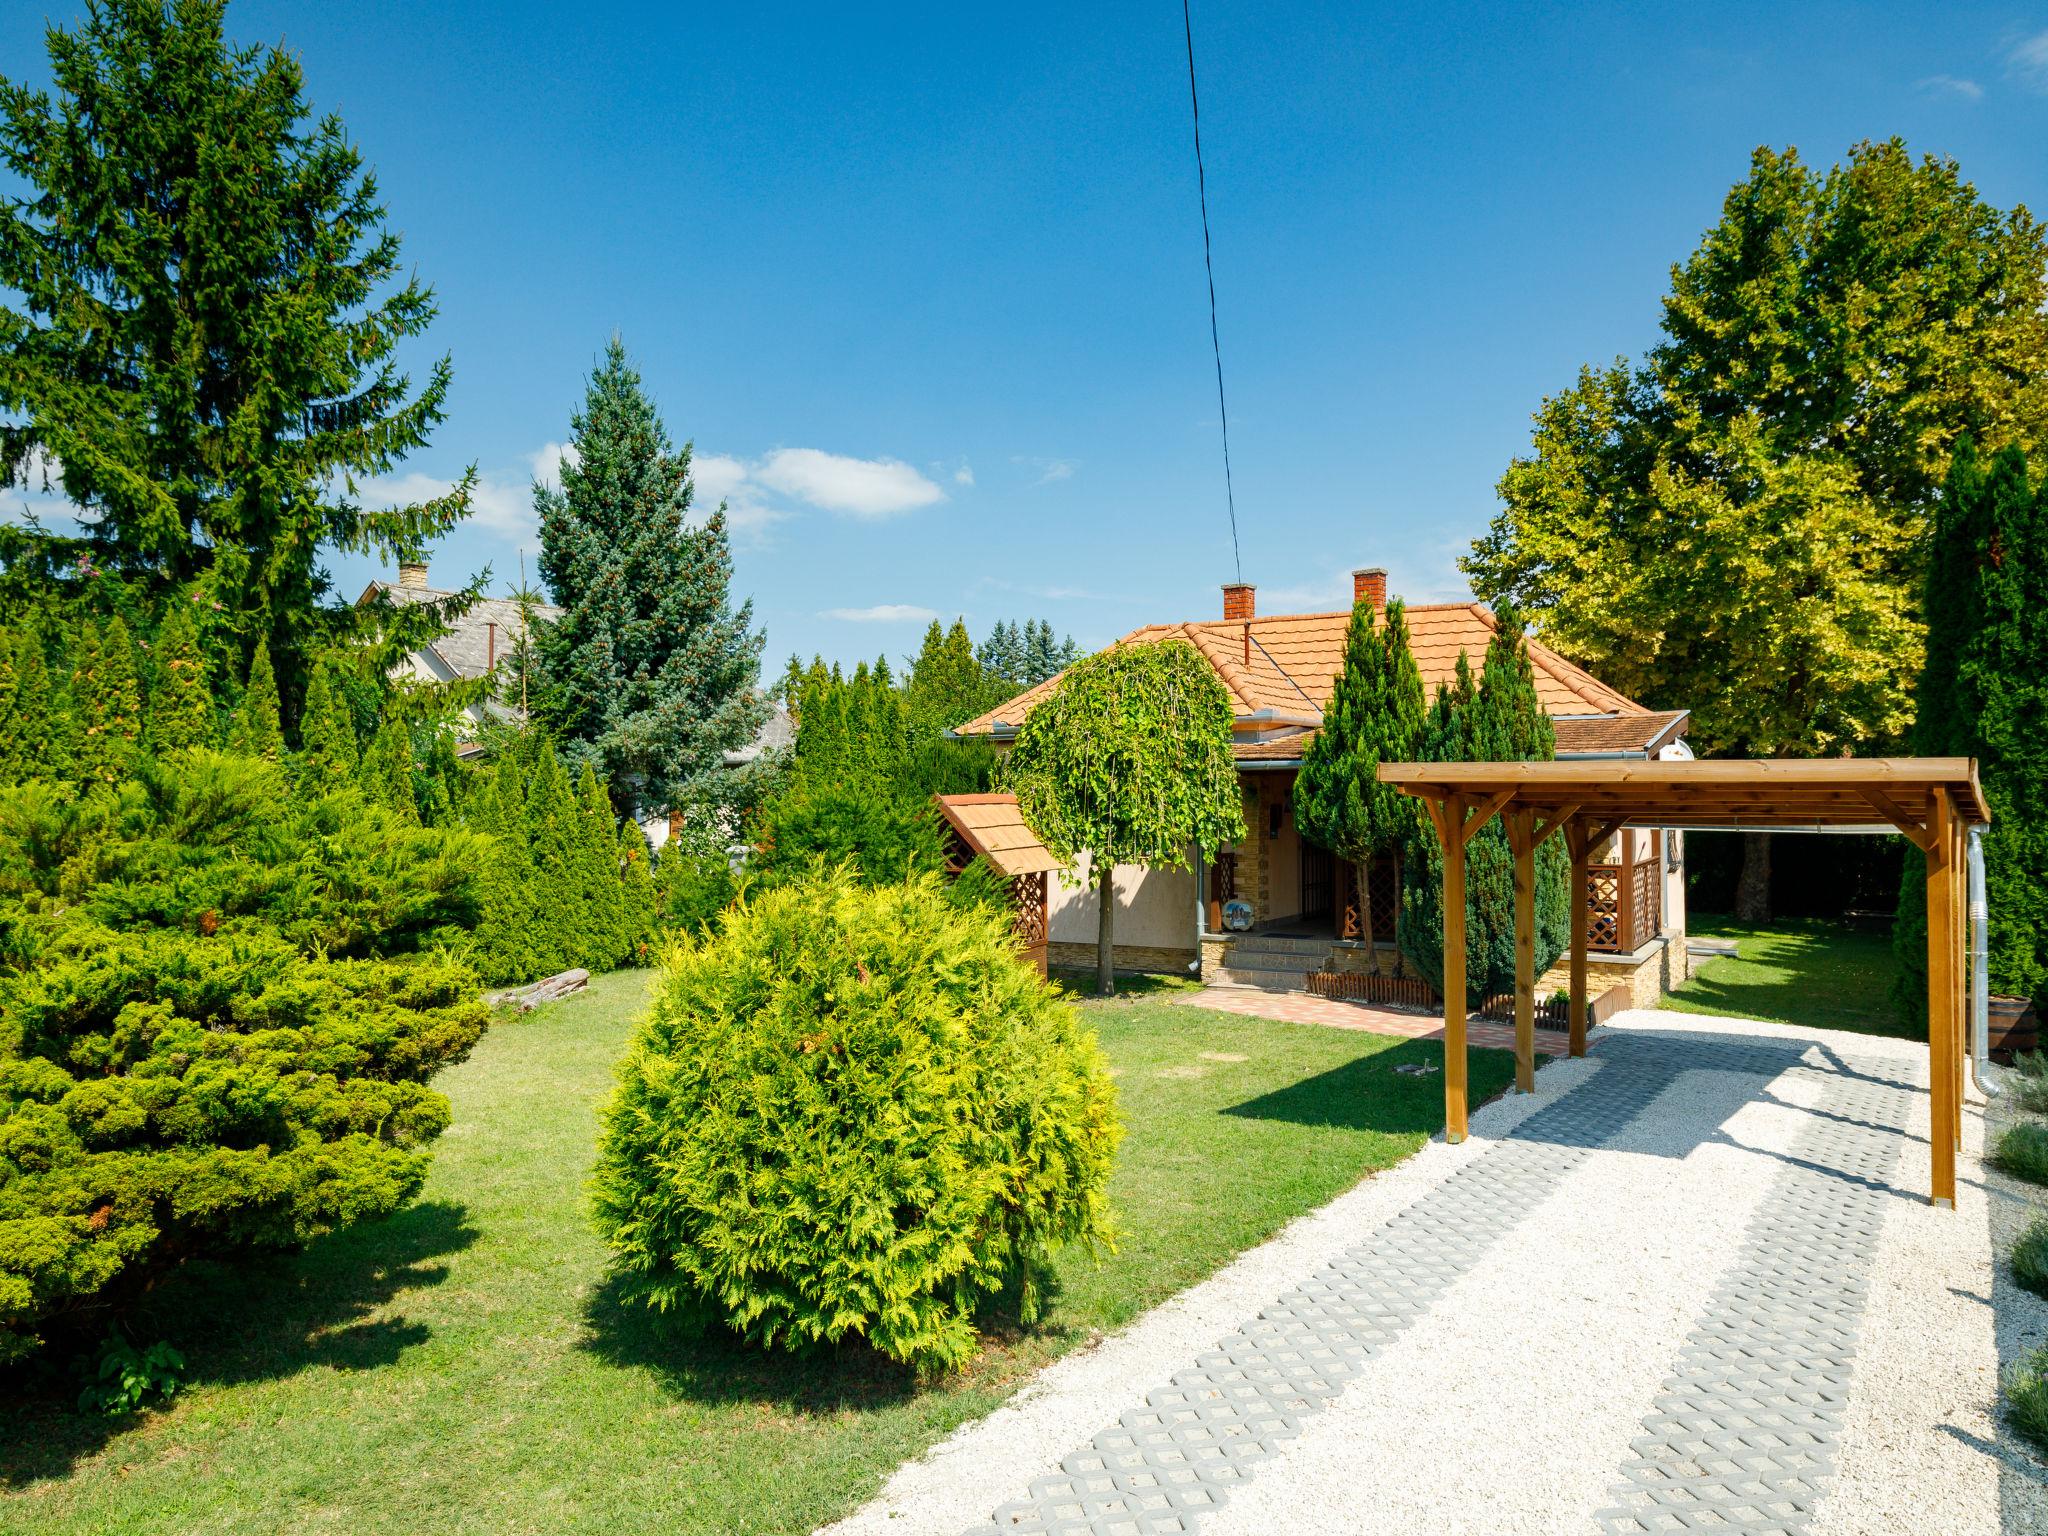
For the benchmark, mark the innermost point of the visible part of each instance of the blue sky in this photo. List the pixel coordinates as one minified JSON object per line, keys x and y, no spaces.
{"x":924,"y":284}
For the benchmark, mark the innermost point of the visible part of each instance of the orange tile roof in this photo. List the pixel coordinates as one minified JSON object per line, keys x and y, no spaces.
{"x":1286,"y":665}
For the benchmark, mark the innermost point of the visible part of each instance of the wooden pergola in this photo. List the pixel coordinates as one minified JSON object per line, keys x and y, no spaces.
{"x":1931,"y":801}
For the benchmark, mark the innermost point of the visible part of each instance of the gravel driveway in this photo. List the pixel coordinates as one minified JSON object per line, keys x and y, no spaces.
{"x":1691,"y":1283}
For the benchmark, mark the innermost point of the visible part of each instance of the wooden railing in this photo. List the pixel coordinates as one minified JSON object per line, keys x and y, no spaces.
{"x":1624,"y":905}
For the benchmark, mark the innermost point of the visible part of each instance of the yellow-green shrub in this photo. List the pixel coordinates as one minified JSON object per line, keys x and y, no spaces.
{"x":852,"y":1112}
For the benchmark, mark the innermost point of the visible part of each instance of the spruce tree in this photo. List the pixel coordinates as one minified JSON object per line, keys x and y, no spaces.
{"x":109,"y":701}
{"x":256,"y":731}
{"x":1374,"y":716}
{"x":650,"y":671}
{"x":204,"y":314}
{"x":180,"y":700}
{"x":328,"y":758}
{"x":1983,"y":693}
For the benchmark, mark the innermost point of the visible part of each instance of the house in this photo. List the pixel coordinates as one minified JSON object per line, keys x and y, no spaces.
{"x":1298,"y":906}
{"x":481,"y":640}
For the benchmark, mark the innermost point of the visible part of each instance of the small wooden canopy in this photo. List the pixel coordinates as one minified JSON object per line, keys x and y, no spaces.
{"x":992,"y":826}
{"x":1928,"y":800}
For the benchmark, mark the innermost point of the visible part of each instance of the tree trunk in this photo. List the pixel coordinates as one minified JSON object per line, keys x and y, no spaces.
{"x":1105,"y":933}
{"x":1753,"y":889}
{"x":1364,"y":877}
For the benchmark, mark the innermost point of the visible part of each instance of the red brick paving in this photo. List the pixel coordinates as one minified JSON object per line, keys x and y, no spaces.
{"x":1301,"y":1008}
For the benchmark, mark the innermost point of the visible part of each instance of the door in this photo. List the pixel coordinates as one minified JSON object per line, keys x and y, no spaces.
{"x":1318,"y":876}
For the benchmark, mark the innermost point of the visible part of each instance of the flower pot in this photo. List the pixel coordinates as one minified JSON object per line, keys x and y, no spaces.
{"x":2013,"y":1027}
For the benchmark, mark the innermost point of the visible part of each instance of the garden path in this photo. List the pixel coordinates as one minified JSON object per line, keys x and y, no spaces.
{"x":1304,"y":1008}
{"x":1687,"y":1284}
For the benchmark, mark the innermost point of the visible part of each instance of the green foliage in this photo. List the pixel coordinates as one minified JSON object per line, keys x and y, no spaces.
{"x":179,"y":210}
{"x":2026,"y":1399}
{"x":1128,"y":762}
{"x":218,"y":1012}
{"x":2022,"y":1151}
{"x":2028,"y":1082}
{"x":639,"y":902}
{"x":1374,"y":716}
{"x":180,"y":700}
{"x":108,"y":691}
{"x":1022,"y":656}
{"x":327,"y":734}
{"x":820,"y":823}
{"x":385,"y":771}
{"x":2030,"y":1257}
{"x":257,"y":732}
{"x":128,"y":1379}
{"x":1983,"y":693}
{"x":1739,"y":525}
{"x":38,"y":729}
{"x":947,"y":685}
{"x":852,"y":1113}
{"x":1498,"y":718}
{"x":649,"y":671}
{"x":693,"y":885}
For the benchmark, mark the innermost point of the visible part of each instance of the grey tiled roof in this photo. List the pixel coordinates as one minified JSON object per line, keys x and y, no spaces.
{"x":469,"y":645}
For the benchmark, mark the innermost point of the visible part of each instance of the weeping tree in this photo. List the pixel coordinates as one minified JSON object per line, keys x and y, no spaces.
{"x":1128,"y":762}
{"x":1495,"y":718}
{"x":1375,"y":716}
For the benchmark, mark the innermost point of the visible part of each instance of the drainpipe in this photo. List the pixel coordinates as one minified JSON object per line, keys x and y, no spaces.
{"x":1981,"y":1070}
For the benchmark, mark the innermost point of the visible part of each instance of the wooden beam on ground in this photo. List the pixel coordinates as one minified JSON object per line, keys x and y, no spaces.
{"x":1521,"y":826}
{"x":1941,"y":950}
{"x":1580,"y":847}
{"x":1454,"y":969}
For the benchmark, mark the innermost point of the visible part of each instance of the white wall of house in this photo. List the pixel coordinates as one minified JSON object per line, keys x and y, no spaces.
{"x":1155,"y":908}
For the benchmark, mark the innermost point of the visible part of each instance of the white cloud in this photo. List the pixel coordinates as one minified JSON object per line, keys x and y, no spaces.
{"x":1049,"y":471}
{"x":964,"y":475}
{"x":2027,"y":61}
{"x":1950,"y":85}
{"x":868,"y":488}
{"x":547,"y":463}
{"x":717,"y":476}
{"x":882,"y":613}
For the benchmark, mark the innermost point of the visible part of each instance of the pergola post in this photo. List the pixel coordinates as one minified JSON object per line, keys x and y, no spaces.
{"x":1579,"y":844}
{"x":1944,"y":1082}
{"x":1451,"y":833}
{"x":1522,"y":840}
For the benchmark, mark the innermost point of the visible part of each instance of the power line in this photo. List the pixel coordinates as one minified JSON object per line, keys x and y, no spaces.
{"x":1209,"y":265}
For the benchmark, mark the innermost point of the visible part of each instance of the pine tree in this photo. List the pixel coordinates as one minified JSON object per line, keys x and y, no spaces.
{"x":1984,"y":694}
{"x":184,"y":214}
{"x":329,"y":758}
{"x":1375,"y":716}
{"x":650,"y":671}
{"x":256,"y":730}
{"x":180,"y":699}
{"x":109,"y":703}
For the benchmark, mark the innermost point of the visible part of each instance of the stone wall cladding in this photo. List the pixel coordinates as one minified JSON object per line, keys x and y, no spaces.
{"x":1126,"y":957}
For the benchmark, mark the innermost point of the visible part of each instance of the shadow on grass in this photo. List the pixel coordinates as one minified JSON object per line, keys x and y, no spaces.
{"x":262,"y":1318}
{"x":1821,"y":973}
{"x":1134,"y":987}
{"x":1365,"y":1094}
{"x":715,"y":1367}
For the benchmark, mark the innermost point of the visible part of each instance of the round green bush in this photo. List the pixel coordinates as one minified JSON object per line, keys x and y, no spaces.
{"x":851,"y":1112}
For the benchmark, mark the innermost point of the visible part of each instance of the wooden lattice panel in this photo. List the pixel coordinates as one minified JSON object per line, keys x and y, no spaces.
{"x":1603,"y":907}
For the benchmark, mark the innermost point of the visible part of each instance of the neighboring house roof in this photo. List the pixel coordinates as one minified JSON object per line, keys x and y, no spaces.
{"x":992,"y":826}
{"x":1642,"y":733}
{"x":1281,"y":670}
{"x":777,"y":731}
{"x":476,"y":641}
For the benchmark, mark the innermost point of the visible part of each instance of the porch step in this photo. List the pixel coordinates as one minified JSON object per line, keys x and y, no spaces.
{"x":1268,"y":944}
{"x":1262,"y":981}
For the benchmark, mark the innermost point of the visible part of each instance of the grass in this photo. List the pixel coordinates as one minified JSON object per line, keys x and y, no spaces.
{"x":2026,"y":1399}
{"x":1826,"y":974}
{"x":2022,"y":1151}
{"x":465,"y":1367}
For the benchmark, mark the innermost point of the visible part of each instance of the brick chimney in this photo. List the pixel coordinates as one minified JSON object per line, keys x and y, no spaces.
{"x":1237,"y":599}
{"x":1369,"y":585}
{"x":412,"y":575}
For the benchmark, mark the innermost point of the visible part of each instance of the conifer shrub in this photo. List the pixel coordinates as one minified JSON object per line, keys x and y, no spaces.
{"x":219,"y":1010}
{"x":851,"y":1113}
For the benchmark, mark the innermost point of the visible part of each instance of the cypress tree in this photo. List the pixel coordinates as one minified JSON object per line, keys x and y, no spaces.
{"x":109,"y":703}
{"x":637,"y":900}
{"x":256,"y":730}
{"x":561,"y":906}
{"x":603,"y":943}
{"x":385,"y":772}
{"x":180,"y":700}
{"x":1983,"y":693}
{"x":327,"y":732}
{"x":39,"y":734}
{"x":650,"y":671}
{"x":1374,"y":716}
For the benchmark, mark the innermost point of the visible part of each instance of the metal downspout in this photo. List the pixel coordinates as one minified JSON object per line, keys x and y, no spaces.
{"x":1981,"y":1071}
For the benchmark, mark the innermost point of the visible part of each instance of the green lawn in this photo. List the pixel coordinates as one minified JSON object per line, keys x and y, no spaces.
{"x":1831,"y":975}
{"x":463,"y":1367}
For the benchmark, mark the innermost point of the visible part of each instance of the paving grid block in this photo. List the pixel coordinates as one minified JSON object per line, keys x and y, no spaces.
{"x":1741,"y":1438}
{"x":1243,"y":1399}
